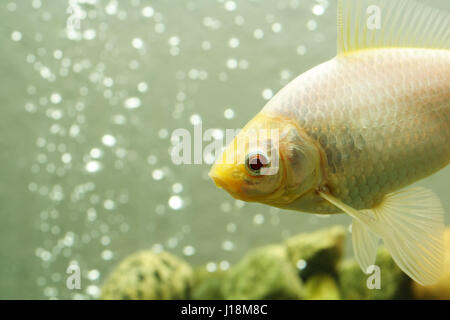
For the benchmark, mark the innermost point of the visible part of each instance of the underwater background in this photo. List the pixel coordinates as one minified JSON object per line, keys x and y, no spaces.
{"x":87,"y":114}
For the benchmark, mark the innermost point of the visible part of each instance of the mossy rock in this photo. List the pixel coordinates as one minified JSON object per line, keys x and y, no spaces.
{"x":321,"y":287}
{"x":207,"y":285}
{"x":394,"y":284}
{"x":147,"y":275}
{"x":319,"y":251}
{"x":264,"y":273}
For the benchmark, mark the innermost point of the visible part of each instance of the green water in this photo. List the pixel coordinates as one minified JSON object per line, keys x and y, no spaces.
{"x":85,"y":171}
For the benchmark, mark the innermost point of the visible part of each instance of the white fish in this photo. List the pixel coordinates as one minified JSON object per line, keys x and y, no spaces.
{"x":354,"y":131}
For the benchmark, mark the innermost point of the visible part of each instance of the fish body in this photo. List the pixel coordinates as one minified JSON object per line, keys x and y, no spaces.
{"x":380,"y":118}
{"x":350,"y":134}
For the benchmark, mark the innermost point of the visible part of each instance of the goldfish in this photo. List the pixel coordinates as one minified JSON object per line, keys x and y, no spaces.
{"x":351,"y":134}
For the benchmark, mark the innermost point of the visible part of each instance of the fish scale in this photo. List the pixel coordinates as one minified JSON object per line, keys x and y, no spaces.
{"x":380,"y":116}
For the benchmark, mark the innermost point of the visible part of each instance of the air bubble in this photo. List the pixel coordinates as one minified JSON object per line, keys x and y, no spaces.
{"x":318,"y":10}
{"x":157,"y":174}
{"x":224,"y":265}
{"x":229,"y":114}
{"x":132,"y":103}
{"x":258,"y":219}
{"x":211,"y":267}
{"x":267,"y":94}
{"x":93,"y":291}
{"x":142,"y":87}
{"x":109,"y":204}
{"x":137,"y":43}
{"x":227,"y":245}
{"x":258,"y":34}
{"x":96,"y":153}
{"x":16,"y":36}
{"x":148,"y":12}
{"x":174,"y":41}
{"x":232,"y":63}
{"x":93,"y":166}
{"x":107,"y":255}
{"x":233,"y":42}
{"x":230,"y":5}
{"x":175,"y":202}
{"x":109,"y":140}
{"x":277,"y":27}
{"x":311,"y":25}
{"x":301,"y":264}
{"x":189,"y":251}
{"x":177,"y":187}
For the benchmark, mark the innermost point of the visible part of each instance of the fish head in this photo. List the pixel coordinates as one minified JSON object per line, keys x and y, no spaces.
{"x":269,"y":161}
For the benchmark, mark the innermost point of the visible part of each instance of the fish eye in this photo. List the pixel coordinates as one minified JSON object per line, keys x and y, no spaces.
{"x":255,"y":161}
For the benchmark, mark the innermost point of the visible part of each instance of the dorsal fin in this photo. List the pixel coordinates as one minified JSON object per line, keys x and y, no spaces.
{"x":371,"y":24}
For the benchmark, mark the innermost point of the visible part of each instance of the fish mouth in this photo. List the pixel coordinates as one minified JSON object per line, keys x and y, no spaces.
{"x":233,"y":187}
{"x":218,"y":181}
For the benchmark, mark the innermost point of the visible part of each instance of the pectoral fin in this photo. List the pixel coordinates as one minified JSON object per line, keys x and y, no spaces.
{"x":411,"y":224}
{"x":365,"y":244}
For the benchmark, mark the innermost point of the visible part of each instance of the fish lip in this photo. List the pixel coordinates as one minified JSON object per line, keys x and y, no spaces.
{"x":221,"y":183}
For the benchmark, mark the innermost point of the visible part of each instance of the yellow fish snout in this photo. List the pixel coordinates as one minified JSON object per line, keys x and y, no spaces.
{"x":222,"y":175}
